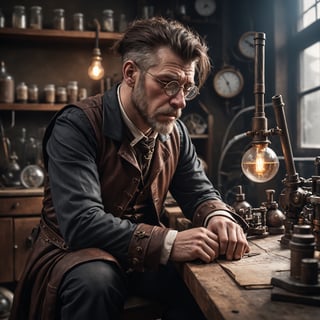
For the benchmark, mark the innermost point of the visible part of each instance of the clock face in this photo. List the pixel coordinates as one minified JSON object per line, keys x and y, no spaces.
{"x":205,"y":7}
{"x":195,"y":123}
{"x":228,"y":82}
{"x":246,"y":44}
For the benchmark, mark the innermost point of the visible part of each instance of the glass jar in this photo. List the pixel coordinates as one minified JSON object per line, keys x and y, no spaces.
{"x":22,"y":92}
{"x":61,"y":95}
{"x":33,"y":93}
{"x":58,"y":19}
{"x":6,"y":85}
{"x":82,"y":93}
{"x":122,"y":22}
{"x":35,"y":17}
{"x":72,"y":91}
{"x":107,"y":20}
{"x":19,"y":17}
{"x":78,"y":23}
{"x":50,"y":92}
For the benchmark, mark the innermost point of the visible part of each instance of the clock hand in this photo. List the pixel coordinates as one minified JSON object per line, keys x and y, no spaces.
{"x":249,"y":43}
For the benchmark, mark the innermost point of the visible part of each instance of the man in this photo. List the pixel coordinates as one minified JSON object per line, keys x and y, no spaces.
{"x":101,"y":234}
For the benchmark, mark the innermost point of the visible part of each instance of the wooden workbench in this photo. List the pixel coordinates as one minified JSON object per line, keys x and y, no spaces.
{"x":241,"y":289}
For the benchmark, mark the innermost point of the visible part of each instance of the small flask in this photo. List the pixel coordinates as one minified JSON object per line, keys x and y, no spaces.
{"x":50,"y":92}
{"x":108,"y":23}
{"x":2,"y":19}
{"x":19,"y":17}
{"x":58,"y":19}
{"x":22,"y":92}
{"x":72,"y":91}
{"x":6,"y":85}
{"x":61,"y":95}
{"x":33,"y":93}
{"x":78,"y":22}
{"x":35,"y":17}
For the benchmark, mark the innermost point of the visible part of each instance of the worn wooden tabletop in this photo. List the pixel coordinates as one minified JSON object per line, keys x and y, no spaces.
{"x":242,"y":290}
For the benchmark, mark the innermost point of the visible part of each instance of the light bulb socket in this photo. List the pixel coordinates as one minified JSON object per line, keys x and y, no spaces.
{"x":96,"y":52}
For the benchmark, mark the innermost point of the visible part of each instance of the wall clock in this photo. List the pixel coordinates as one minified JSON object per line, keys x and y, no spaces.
{"x":205,"y":8}
{"x":228,"y":82}
{"x":246,"y":44}
{"x":195,"y":123}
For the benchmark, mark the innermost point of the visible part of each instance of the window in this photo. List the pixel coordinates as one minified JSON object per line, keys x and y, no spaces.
{"x":309,"y":12}
{"x":309,"y":74}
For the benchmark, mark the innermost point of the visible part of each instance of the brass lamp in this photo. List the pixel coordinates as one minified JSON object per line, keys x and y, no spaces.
{"x":96,"y":70}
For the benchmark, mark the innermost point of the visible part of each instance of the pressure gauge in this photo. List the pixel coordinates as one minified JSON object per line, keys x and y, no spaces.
{"x":246,"y":44}
{"x":205,"y":7}
{"x":195,"y":123}
{"x":228,"y":82}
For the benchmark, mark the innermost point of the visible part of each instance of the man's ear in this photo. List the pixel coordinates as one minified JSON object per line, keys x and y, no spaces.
{"x":129,"y":71}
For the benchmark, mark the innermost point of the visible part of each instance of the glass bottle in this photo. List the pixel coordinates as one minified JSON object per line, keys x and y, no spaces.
{"x":33,"y":93}
{"x":2,"y":19}
{"x":61,"y":95}
{"x":50,"y":93}
{"x":22,"y":92}
{"x":19,"y":17}
{"x":122,"y":23}
{"x":108,"y":23}
{"x":72,"y":91}
{"x":6,"y":85}
{"x":78,"y":23}
{"x":35,"y":17}
{"x":58,"y":19}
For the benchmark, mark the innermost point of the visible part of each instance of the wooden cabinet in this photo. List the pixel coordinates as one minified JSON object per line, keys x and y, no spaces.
{"x":19,"y":214}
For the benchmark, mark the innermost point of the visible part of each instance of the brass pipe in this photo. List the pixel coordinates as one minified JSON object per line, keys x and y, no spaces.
{"x":278,"y":108}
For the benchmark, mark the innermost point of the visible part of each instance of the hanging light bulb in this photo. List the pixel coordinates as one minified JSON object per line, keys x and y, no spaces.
{"x":260,"y":163}
{"x":96,"y":70}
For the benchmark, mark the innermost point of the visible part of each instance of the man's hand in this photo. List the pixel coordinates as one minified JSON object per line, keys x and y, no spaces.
{"x":232,"y":240}
{"x":221,"y":237}
{"x":196,"y":243}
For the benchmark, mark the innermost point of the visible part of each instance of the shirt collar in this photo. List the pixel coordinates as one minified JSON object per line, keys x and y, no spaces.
{"x":137,"y":134}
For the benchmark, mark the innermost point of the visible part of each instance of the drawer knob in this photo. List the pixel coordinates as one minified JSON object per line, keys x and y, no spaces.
{"x":15,"y":205}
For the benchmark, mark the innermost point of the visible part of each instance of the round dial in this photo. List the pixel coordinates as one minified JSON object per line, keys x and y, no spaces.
{"x":205,"y":7}
{"x":195,"y":123}
{"x":228,"y":82}
{"x":246,"y":44}
{"x":32,"y":176}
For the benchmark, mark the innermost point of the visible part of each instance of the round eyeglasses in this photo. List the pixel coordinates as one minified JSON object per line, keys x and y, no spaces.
{"x":171,"y":88}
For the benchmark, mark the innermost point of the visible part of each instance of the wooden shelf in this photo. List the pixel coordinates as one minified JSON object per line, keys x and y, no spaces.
{"x":31,"y":106}
{"x":57,"y":35}
{"x":20,"y":192}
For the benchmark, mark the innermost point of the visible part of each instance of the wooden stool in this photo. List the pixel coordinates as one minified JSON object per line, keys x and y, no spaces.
{"x":137,"y":308}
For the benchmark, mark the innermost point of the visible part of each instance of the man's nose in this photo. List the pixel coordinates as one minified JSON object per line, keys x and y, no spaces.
{"x":178,"y":100}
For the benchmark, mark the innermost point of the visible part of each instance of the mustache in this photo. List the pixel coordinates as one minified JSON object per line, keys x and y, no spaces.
{"x":171,"y":112}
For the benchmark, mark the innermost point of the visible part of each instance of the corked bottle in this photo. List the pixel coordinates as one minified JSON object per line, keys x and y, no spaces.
{"x":6,"y":85}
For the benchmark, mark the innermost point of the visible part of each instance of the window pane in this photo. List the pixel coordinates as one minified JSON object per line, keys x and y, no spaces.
{"x":310,"y":67}
{"x":310,"y":120}
{"x":309,"y":13}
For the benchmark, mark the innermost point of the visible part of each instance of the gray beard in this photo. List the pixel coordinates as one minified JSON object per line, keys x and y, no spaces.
{"x":139,"y":102}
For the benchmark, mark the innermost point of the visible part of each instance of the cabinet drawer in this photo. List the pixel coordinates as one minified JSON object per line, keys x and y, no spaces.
{"x":6,"y":249}
{"x":20,"y":205}
{"x":22,"y":242}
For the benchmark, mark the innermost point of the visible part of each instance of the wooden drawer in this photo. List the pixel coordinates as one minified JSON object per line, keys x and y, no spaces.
{"x":22,"y":242}
{"x":20,"y":205}
{"x":15,"y":246}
